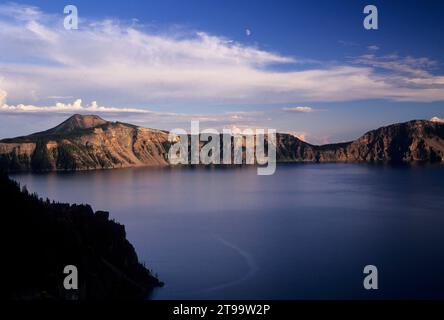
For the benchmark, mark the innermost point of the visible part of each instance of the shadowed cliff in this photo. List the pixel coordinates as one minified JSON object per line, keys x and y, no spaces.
{"x":43,"y":237}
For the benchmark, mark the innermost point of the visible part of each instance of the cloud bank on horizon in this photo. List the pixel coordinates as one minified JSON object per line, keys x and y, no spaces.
{"x":122,"y":63}
{"x":238,"y":119}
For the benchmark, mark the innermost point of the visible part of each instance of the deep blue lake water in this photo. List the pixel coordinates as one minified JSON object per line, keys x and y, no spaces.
{"x":304,"y":233}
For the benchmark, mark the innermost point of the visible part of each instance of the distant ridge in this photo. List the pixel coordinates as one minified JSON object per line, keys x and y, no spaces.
{"x":86,"y":142}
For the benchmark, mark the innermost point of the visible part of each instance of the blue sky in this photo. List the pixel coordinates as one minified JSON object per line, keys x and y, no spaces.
{"x":307,"y":67}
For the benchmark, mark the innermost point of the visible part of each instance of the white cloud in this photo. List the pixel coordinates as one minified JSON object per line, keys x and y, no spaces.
{"x":299,"y":109}
{"x":124,"y":64}
{"x":417,"y":67}
{"x":21,"y":12}
{"x":76,"y":106}
{"x":373,"y":48}
{"x":60,"y":97}
{"x":436,"y":119}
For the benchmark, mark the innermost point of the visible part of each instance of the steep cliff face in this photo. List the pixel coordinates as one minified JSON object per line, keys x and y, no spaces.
{"x":405,"y":142}
{"x":16,"y":156}
{"x":417,"y":140}
{"x":89,"y":142}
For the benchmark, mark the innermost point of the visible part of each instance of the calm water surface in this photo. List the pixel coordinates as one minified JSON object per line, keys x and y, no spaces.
{"x":305,"y":232}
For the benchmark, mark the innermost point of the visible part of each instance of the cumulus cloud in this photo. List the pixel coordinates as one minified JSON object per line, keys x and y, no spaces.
{"x":128,"y":64}
{"x":76,"y":106}
{"x":436,"y":119}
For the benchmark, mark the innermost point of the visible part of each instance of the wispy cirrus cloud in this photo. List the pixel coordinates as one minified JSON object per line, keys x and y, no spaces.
{"x":128,"y":64}
{"x":373,"y":48}
{"x":417,"y":67}
{"x":299,"y":109}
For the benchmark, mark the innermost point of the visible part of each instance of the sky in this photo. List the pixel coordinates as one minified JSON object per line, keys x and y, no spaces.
{"x":305,"y":67}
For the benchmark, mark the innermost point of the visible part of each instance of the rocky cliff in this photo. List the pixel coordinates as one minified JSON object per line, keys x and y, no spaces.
{"x":413,"y":141}
{"x":416,"y":140}
{"x":83,"y":143}
{"x":89,"y":142}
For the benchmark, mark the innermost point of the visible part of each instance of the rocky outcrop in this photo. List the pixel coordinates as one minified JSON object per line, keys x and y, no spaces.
{"x":42,"y":237}
{"x":413,"y":141}
{"x":89,"y":142}
{"x":405,"y":142}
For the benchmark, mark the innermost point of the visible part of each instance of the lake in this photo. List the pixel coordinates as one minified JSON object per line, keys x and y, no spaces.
{"x":304,"y":233}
